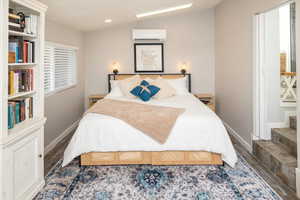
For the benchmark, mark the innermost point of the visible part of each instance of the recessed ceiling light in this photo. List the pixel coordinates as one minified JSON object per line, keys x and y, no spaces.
{"x":108,"y":21}
{"x":156,"y":12}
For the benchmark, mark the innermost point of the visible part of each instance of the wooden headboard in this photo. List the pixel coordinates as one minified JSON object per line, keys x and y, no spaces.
{"x":152,"y":76}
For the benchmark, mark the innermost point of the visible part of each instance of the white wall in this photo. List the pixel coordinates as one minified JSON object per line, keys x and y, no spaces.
{"x":190,"y":39}
{"x":64,"y":108}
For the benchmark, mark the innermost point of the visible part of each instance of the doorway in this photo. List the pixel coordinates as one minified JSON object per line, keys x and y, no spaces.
{"x":275,"y":91}
{"x":275,"y":76}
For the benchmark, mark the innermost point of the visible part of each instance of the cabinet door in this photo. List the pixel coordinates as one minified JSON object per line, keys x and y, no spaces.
{"x":25,"y":167}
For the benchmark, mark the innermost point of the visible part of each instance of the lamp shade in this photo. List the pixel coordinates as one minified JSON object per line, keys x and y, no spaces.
{"x":115,"y":67}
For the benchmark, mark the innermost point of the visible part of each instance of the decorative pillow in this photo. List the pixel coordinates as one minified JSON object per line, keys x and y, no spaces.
{"x":127,"y":85}
{"x":145,"y":91}
{"x":166,"y":90}
{"x":180,"y":85}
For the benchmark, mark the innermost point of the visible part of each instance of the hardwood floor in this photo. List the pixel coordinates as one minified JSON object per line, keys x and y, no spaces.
{"x":282,"y":189}
{"x":56,"y":154}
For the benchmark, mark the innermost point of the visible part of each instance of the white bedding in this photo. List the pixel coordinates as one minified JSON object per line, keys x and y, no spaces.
{"x":198,"y":129}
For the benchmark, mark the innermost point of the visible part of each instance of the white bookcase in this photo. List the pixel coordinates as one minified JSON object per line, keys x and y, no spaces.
{"x":22,"y":147}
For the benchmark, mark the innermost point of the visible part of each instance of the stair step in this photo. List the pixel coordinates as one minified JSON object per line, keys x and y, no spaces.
{"x":287,"y":138}
{"x":277,"y":159}
{"x":293,"y":122}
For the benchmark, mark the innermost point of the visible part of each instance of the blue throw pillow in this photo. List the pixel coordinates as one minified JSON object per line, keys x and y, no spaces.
{"x":145,"y":91}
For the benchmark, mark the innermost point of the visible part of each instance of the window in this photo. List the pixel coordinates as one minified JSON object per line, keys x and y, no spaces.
{"x":59,"y":67}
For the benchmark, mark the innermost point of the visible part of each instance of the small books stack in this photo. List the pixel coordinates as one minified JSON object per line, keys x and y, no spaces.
{"x":20,"y":50}
{"x":19,"y":110}
{"x":14,"y":22}
{"x":23,"y":23}
{"x":20,"y":80}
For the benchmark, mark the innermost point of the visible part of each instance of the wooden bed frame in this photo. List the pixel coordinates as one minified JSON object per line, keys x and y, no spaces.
{"x":151,"y":158}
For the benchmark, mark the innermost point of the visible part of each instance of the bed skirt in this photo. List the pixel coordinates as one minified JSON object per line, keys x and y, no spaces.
{"x":151,"y":158}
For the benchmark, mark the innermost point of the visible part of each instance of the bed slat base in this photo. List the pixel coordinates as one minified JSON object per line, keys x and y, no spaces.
{"x":151,"y":158}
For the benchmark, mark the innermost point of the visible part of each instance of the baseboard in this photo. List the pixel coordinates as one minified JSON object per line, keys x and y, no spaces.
{"x":232,"y":132}
{"x":298,"y":182}
{"x":69,"y":130}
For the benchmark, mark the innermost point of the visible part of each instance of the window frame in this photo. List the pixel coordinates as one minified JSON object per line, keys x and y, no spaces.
{"x":75,"y":81}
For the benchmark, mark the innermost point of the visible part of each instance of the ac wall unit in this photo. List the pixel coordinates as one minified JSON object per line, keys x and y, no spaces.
{"x":149,"y":34}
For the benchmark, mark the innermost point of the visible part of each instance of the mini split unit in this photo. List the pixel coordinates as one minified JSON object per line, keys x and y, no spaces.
{"x":149,"y":34}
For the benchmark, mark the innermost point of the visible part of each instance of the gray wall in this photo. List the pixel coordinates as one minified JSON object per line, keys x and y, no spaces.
{"x":190,"y":39}
{"x":64,"y":108}
{"x":234,"y":62}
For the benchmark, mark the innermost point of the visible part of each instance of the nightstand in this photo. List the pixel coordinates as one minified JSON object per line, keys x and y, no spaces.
{"x":208,"y":100}
{"x":94,"y":98}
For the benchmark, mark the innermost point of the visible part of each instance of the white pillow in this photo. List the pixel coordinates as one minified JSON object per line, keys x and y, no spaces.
{"x":180,"y":85}
{"x":115,"y":89}
{"x":166,"y":90}
{"x":128,"y":84}
{"x":149,"y":80}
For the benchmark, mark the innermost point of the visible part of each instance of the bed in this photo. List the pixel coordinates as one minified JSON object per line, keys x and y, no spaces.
{"x":197,"y":138}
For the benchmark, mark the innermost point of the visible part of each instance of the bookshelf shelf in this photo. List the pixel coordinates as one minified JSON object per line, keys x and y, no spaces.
{"x":22,"y":126}
{"x":22,"y":94}
{"x":23,"y":129}
{"x":16,"y":33}
{"x":21,"y":64}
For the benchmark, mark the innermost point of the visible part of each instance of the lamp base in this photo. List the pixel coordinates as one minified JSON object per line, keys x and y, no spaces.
{"x":115,"y":71}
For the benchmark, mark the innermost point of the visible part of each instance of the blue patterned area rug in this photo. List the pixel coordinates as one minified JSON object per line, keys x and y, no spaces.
{"x":155,"y":183}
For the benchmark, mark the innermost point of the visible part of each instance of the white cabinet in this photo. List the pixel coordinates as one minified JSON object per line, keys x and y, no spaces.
{"x":24,"y":167}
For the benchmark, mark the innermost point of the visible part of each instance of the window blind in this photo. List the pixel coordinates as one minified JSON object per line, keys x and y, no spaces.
{"x":59,"y":67}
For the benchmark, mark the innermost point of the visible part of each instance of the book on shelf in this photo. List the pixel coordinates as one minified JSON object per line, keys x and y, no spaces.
{"x":12,"y":26}
{"x":13,"y":48}
{"x":31,"y":22}
{"x":19,"y":110}
{"x":10,"y":116}
{"x":20,"y":80}
{"x":11,"y":57}
{"x":22,"y":50}
{"x":13,"y":16}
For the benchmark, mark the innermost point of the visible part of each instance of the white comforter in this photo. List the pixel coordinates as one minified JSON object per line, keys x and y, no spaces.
{"x":198,"y":129}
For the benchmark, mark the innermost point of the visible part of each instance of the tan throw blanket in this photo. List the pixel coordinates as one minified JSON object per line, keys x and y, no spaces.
{"x":154,"y":121}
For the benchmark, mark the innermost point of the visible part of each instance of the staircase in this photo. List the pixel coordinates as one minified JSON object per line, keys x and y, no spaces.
{"x":280,"y":153}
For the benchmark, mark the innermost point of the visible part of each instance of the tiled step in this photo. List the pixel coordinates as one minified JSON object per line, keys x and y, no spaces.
{"x":286,"y":138}
{"x":293,"y":122}
{"x":277,"y":159}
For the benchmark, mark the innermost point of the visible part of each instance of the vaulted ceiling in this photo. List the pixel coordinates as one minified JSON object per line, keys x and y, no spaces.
{"x":87,"y":15}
